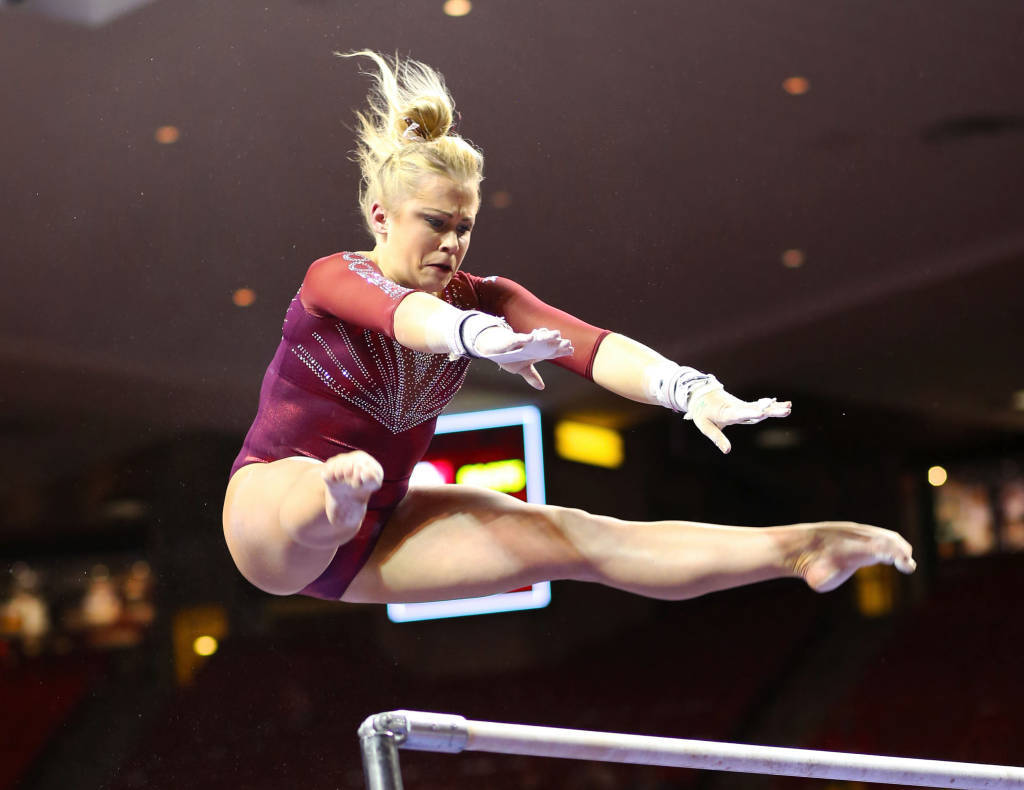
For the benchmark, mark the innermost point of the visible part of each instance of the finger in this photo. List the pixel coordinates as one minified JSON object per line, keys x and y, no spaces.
{"x":548,"y":337}
{"x":709,"y":429}
{"x":753,"y":413}
{"x":550,"y":347}
{"x":504,"y":346}
{"x":742,"y":412}
{"x":532,"y":377}
{"x":732,"y":418}
{"x":545,"y":337}
{"x":515,"y":343}
{"x":565,"y":349}
{"x":776,"y":408}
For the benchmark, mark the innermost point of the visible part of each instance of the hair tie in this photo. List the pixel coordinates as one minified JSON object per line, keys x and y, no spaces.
{"x":410,"y":132}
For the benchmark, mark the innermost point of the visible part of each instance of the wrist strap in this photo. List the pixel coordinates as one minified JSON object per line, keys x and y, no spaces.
{"x":472,"y":325}
{"x":673,"y":385}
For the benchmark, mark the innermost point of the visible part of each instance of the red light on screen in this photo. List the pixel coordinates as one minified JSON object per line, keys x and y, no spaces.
{"x":434,"y":472}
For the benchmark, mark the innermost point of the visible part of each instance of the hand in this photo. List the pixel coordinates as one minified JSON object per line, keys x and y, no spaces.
{"x":712,"y":408}
{"x":517,"y":353}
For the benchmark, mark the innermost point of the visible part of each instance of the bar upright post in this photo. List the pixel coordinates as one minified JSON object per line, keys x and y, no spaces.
{"x":379,"y":747}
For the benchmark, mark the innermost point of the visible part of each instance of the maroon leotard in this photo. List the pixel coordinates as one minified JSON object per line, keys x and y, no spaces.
{"x":340,"y":381}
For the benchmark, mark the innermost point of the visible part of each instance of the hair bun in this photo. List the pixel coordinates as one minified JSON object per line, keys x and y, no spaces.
{"x":408,"y":103}
{"x":429,"y":118}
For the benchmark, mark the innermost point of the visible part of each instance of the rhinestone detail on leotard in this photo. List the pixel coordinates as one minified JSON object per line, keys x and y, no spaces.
{"x":397,"y":386}
{"x":364,"y":268}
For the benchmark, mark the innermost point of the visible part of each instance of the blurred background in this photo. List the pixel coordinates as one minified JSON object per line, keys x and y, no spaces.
{"x":822,"y":202}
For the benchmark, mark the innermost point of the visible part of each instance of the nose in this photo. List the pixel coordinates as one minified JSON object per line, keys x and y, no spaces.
{"x":449,"y":243}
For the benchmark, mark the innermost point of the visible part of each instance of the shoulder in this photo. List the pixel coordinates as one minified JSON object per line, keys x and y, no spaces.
{"x":329,"y":276}
{"x":478,"y":283}
{"x":463,"y":291}
{"x":342,"y":261}
{"x":349,"y":270}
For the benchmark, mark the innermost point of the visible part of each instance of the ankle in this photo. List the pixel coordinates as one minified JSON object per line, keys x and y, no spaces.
{"x":792,"y":548}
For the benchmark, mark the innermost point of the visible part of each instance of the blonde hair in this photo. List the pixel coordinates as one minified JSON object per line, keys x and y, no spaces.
{"x":407,"y":133}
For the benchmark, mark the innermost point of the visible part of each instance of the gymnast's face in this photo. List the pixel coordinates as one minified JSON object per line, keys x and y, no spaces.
{"x":421,"y":243}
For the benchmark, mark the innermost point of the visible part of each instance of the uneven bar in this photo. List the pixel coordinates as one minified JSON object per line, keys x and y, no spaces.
{"x":448,"y":733}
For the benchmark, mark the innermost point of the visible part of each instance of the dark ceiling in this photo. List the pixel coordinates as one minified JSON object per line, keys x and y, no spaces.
{"x":654,"y":167}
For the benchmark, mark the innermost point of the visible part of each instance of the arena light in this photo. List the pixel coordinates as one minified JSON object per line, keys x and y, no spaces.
{"x":794,"y":259}
{"x":875,"y":590}
{"x":244,"y":297}
{"x":167,"y":135}
{"x":501,"y":199}
{"x":457,"y":7}
{"x":589,"y":444}
{"x":196,"y":633}
{"x":796,"y":86}
{"x":508,"y":476}
{"x":937,"y":476}
{"x":534,"y":597}
{"x":205,"y":645}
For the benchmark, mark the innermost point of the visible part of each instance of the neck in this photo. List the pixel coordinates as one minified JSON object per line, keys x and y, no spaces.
{"x":378,"y":256}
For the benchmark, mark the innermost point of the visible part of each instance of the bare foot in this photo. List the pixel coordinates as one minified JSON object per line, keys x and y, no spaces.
{"x":349,"y":480}
{"x":832,"y":552}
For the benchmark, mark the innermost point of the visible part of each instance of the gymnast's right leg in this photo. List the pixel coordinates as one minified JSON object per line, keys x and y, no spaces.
{"x":284,"y":520}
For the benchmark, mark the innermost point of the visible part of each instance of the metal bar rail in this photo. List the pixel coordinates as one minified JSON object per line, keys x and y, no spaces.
{"x":383,"y":734}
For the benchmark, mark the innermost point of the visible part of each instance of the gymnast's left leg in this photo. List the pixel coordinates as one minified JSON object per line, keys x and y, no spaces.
{"x":459,"y":541}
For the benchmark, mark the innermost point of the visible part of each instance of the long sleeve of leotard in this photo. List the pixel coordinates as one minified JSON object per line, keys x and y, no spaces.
{"x":351,"y":287}
{"x":525,"y":312}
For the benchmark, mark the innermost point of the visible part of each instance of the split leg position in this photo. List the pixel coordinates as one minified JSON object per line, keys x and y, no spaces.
{"x":284,"y":521}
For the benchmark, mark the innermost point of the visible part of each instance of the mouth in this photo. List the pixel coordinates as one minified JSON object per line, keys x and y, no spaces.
{"x":441,"y":267}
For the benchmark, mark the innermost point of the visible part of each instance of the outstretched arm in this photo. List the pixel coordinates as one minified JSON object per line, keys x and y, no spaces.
{"x":628,"y":368}
{"x":634,"y":371}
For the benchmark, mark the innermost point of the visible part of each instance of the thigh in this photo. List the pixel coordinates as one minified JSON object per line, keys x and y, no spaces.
{"x":255,"y":491}
{"x":261,"y":549}
{"x":455,"y":541}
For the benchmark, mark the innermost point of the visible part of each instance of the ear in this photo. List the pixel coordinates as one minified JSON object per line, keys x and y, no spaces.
{"x":380,"y":219}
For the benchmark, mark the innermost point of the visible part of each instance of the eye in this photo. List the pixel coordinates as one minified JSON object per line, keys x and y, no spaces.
{"x":434,"y":222}
{"x":464,"y":229}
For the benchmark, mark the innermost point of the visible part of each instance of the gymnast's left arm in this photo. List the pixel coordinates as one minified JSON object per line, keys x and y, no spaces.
{"x":634,"y":371}
{"x":626,"y":367}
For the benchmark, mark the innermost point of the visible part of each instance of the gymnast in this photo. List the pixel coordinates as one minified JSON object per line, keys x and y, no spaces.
{"x":374,"y":346}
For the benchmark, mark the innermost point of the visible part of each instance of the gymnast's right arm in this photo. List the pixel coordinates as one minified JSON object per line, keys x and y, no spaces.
{"x":353,"y":289}
{"x":425,"y":323}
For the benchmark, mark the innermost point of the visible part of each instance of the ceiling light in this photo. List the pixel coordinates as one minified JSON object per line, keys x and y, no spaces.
{"x":794,"y":259}
{"x":937,"y":476}
{"x":166,"y":135}
{"x":457,"y":7}
{"x":796,"y":86}
{"x":243,"y":297}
